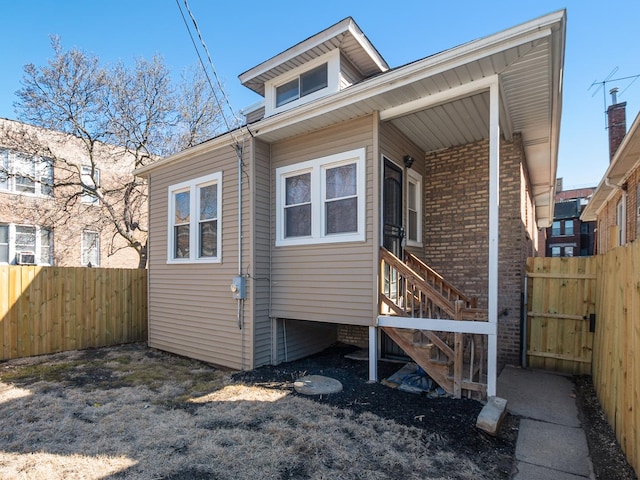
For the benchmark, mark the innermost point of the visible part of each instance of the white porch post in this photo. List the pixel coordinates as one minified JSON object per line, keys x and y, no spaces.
{"x":373,"y":354}
{"x":494,"y":204}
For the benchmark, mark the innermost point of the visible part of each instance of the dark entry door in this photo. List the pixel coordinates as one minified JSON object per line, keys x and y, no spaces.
{"x":393,"y":231}
{"x":392,"y":237}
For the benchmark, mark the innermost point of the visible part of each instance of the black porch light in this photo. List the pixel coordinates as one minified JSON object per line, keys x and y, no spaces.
{"x":408,"y":161}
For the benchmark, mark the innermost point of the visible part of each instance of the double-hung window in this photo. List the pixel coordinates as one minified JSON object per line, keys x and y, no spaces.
{"x":29,"y":244}
{"x":195,"y":225}
{"x":26,"y":174}
{"x":90,"y":178}
{"x":414,"y":208}
{"x":90,"y":249}
{"x":322,"y":200}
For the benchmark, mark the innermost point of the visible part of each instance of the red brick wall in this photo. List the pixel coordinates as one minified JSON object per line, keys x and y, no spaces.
{"x":606,"y":222}
{"x":456,"y":229}
{"x":354,"y":335}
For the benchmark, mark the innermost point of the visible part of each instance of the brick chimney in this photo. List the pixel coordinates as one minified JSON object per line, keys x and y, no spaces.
{"x":616,"y":122}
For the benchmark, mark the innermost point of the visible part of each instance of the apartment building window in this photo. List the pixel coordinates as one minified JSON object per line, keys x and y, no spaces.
{"x":91,"y":181}
{"x":195,"y":224}
{"x":555,"y":251}
{"x":322,"y":200}
{"x":25,"y":174}
{"x":90,"y":249}
{"x":4,"y":243}
{"x":568,"y":227}
{"x":414,"y":208}
{"x":26,"y":244}
{"x":568,"y":251}
{"x":555,"y":228}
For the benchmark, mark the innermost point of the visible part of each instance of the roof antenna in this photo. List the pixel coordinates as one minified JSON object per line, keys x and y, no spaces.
{"x":614,"y":95}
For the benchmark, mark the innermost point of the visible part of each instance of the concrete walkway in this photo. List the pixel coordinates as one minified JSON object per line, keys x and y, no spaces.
{"x":551,"y":443}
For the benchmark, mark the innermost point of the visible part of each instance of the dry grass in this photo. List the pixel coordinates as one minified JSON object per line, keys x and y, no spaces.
{"x":131,"y":412}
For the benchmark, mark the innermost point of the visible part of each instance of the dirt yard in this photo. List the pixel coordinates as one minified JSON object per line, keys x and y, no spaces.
{"x":131,"y":412}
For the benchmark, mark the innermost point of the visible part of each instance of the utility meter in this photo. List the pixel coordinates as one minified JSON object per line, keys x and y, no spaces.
{"x":238,"y":287}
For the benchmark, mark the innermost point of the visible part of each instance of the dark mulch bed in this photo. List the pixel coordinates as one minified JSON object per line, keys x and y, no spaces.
{"x":453,"y":420}
{"x":609,"y":462}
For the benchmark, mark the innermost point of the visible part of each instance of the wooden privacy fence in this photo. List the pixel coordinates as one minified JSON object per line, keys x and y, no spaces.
{"x":53,"y":309}
{"x":561,"y":298}
{"x":562,"y":295}
{"x":616,"y":347}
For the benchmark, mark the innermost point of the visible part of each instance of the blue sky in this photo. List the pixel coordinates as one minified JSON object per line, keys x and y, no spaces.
{"x":601,"y":39}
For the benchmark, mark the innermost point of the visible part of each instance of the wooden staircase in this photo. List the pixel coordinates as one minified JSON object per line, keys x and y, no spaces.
{"x":455,"y":361}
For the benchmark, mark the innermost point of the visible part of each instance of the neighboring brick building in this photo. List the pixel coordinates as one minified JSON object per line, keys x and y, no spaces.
{"x":44,"y":222}
{"x":569,"y":236}
{"x":615,"y":205}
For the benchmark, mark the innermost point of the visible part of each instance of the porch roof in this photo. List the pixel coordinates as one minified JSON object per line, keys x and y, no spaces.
{"x":434,"y":103}
{"x":443,"y":100}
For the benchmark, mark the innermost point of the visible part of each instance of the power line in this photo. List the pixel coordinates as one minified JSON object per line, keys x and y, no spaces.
{"x":206,"y":72}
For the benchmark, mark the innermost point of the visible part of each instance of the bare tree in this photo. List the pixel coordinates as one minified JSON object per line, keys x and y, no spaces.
{"x":123,"y":118}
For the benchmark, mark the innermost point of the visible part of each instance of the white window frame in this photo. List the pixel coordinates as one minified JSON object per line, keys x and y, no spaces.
{"x":415,"y":178}
{"x":87,"y":197}
{"x":317,"y":167}
{"x":621,"y":219}
{"x":82,"y":248}
{"x":555,"y":249}
{"x":42,"y":169}
{"x":332,"y":59}
{"x":13,"y":251}
{"x":193,"y":186}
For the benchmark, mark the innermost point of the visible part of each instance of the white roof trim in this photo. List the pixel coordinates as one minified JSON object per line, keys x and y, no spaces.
{"x":606,"y":188}
{"x":346,"y":25}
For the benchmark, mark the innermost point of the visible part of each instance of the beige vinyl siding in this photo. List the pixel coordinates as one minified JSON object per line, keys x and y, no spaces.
{"x":395,"y":145}
{"x":326,"y":282}
{"x":349,"y":74}
{"x":255,"y":115}
{"x":261,"y":252}
{"x":299,"y":339}
{"x":191,"y":309}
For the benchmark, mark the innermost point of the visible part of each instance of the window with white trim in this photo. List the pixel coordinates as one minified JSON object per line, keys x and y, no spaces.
{"x":322,"y":200}
{"x":90,"y":249}
{"x":621,"y":220}
{"x":195,"y":226}
{"x":29,"y":244}
{"x":307,"y":83}
{"x":414,"y":208}
{"x":310,"y":81}
{"x":555,"y":251}
{"x":89,"y":177}
{"x":25,"y":174}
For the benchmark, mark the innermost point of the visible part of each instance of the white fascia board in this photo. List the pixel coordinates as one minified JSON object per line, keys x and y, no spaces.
{"x":227,"y":139}
{"x":368,"y":47}
{"x":296,"y":50}
{"x":441,"y":97}
{"x":402,"y":76}
{"x":606,"y":187}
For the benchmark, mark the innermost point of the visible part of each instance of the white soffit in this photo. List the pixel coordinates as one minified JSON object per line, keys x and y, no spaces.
{"x":345,"y":35}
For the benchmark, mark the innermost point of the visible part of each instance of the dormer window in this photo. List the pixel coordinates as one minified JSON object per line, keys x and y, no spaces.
{"x":310,"y":81}
{"x":306,"y":84}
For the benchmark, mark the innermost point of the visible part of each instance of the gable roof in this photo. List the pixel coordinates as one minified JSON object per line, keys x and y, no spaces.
{"x":623,"y":163}
{"x":345,"y":35}
{"x":442,"y":100}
